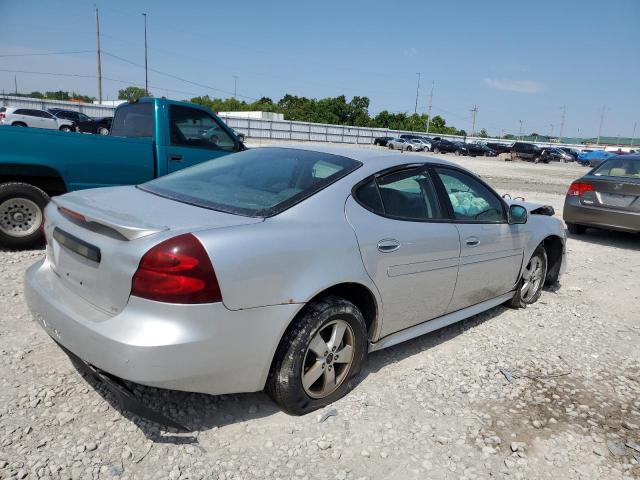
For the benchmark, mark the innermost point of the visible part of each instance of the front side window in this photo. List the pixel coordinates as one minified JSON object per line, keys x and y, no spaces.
{"x":405,"y":195}
{"x":190,"y":127}
{"x":259,"y":182}
{"x":619,"y":167}
{"x":470,"y":199}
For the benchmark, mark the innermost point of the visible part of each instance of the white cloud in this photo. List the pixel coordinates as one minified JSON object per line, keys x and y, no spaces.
{"x":411,"y":52}
{"x":510,"y":85}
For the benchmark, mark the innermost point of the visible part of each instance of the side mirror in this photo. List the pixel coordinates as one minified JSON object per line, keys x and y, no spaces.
{"x":517,"y":215}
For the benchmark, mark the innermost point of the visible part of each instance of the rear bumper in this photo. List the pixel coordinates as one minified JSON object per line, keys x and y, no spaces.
{"x":575,"y":212}
{"x":198,"y":348}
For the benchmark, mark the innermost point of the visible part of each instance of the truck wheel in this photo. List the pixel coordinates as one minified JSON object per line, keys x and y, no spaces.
{"x":21,"y":215}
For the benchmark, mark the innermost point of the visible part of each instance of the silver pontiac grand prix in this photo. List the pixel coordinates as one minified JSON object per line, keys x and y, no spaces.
{"x":282,"y":268}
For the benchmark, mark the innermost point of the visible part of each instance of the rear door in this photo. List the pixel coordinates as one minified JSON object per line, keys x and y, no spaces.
{"x":194,"y":136}
{"x":491,"y":250}
{"x":409,"y":249}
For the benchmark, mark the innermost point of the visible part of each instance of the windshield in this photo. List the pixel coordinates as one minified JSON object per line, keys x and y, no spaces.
{"x":259,"y":183}
{"x":619,"y":167}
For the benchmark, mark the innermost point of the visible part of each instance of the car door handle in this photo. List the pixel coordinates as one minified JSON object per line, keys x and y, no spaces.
{"x":388,"y":245}
{"x":176,"y":158}
{"x":472,"y":241}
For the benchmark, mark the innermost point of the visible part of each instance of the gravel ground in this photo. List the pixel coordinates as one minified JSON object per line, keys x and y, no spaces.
{"x":551,"y":391}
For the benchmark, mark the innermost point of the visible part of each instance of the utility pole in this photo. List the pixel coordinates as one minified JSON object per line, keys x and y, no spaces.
{"x":564,"y":112}
{"x":551,"y":131}
{"x":415,"y":109}
{"x":99,"y":59}
{"x":146,"y":69}
{"x":474,"y":112}
{"x":520,"y":131}
{"x":15,"y":82}
{"x":601,"y":122}
{"x":433,"y":84}
{"x":235,"y":86}
{"x":635,"y":124}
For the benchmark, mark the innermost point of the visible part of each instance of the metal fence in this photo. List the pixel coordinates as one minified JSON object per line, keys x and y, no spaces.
{"x":286,"y":130}
{"x":45,"y":104}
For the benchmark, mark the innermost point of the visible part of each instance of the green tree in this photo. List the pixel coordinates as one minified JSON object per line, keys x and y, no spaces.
{"x":131,"y":93}
{"x":483,"y":133}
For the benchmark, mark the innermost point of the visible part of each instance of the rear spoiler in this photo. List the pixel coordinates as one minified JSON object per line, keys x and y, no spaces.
{"x":123,"y":226}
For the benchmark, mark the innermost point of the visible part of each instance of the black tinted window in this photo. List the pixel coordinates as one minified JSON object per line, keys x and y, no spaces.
{"x":369,"y":197}
{"x":133,"y":120}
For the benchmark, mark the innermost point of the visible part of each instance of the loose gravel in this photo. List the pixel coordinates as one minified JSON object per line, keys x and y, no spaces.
{"x":550,"y":391}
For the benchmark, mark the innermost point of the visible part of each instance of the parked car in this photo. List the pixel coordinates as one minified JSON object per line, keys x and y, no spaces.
{"x":461,"y":148}
{"x":423,"y":142}
{"x":593,"y":158}
{"x":479,"y":150}
{"x":180,"y":283}
{"x":239,"y":135}
{"x":607,"y":197}
{"x":529,"y":152}
{"x":499,"y":147}
{"x":443,"y":146}
{"x":100,"y":125}
{"x":381,"y":141}
{"x":36,"y":164}
{"x":71,"y":115}
{"x":554,"y":155}
{"x":31,"y":117}
{"x":400,"y":144}
{"x":573,"y":153}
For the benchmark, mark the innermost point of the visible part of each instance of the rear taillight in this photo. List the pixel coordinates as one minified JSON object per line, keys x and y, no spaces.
{"x":177,"y":270}
{"x":578,"y":189}
{"x":2,"y":115}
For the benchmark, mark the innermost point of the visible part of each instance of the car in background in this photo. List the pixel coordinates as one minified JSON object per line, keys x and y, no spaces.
{"x":421,"y":144}
{"x":554,"y":155}
{"x":479,"y":150}
{"x":400,"y":144}
{"x":529,"y":152}
{"x":593,"y":158}
{"x":461,"y":148}
{"x":443,"y":145}
{"x":100,"y":126}
{"x":573,"y":153}
{"x":499,"y":147}
{"x":281,"y":269}
{"x":240,"y":135}
{"x":607,"y":197}
{"x":34,"y":118}
{"x":71,"y":115}
{"x":381,"y":141}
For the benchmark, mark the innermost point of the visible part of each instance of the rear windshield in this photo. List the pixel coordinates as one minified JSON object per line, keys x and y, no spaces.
{"x":259,"y":183}
{"x":134,"y":120}
{"x":619,"y":167}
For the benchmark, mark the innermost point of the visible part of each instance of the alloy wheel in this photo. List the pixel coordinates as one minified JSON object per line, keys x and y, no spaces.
{"x":532,"y":277}
{"x":328,"y":359}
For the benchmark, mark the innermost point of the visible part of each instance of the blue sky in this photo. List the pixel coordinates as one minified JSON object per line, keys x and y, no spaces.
{"x":514,"y":60}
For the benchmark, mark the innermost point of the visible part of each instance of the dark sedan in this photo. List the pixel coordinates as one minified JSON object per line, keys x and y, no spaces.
{"x":499,"y":147}
{"x":444,"y":146}
{"x":607,"y":197}
{"x":101,"y":126}
{"x":479,"y":150}
{"x":382,"y":141}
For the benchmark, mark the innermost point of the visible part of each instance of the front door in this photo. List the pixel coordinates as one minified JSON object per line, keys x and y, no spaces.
{"x":491,"y":250}
{"x":409,"y":249}
{"x":194,"y":137}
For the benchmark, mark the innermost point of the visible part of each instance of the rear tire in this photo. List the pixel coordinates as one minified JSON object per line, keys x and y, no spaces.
{"x":533,"y":278}
{"x":292,"y":381}
{"x":18,"y":124}
{"x":21,"y":215}
{"x":389,"y":146}
{"x":65,"y":128}
{"x":576,"y":229}
{"x":436,"y":150}
{"x":105,"y":131}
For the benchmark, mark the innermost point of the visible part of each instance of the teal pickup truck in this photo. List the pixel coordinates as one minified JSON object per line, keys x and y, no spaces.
{"x":149,"y":138}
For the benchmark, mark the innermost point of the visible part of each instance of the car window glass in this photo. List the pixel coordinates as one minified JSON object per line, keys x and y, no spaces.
{"x":191,"y":127}
{"x":134,"y":120}
{"x":470,"y":199}
{"x":619,"y":167}
{"x":82,"y":117}
{"x":369,"y":197}
{"x":408,"y":194}
{"x":44,"y":114}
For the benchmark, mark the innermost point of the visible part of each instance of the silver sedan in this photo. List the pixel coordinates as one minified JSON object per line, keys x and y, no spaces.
{"x":282,"y":268}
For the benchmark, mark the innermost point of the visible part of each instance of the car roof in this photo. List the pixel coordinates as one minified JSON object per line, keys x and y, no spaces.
{"x":369,"y":156}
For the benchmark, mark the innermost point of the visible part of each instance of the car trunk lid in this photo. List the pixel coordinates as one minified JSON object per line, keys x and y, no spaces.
{"x":95,"y":239}
{"x":616,"y":193}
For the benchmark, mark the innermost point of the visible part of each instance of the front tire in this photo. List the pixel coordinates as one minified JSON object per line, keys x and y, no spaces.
{"x":21,"y":215}
{"x":533,"y":278}
{"x":65,"y":128}
{"x":436,"y":150}
{"x":105,"y":131}
{"x":319,"y":357}
{"x":576,"y":229}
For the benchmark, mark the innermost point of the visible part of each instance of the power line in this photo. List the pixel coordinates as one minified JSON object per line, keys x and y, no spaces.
{"x":44,"y":54}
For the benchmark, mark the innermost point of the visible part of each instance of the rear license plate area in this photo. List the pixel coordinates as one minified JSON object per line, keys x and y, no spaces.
{"x":77,"y":245}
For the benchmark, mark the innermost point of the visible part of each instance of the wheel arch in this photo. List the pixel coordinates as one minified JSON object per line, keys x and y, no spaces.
{"x":554,"y":246}
{"x":46,"y":178}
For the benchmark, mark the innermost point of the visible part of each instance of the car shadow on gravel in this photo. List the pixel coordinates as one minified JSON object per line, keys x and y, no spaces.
{"x":609,"y":238}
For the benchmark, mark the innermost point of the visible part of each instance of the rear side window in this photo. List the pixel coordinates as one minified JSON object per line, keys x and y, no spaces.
{"x":133,"y":120}
{"x":259,"y":182}
{"x":403,"y":195}
{"x":619,"y":167}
